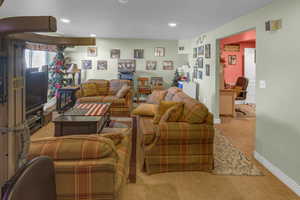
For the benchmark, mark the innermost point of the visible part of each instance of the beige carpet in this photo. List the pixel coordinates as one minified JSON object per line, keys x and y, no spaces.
{"x":228,"y":159}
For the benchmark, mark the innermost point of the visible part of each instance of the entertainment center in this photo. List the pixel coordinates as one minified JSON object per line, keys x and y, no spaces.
{"x":36,"y":96}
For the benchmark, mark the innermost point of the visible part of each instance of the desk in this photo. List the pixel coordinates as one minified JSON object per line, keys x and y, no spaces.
{"x":227,"y":102}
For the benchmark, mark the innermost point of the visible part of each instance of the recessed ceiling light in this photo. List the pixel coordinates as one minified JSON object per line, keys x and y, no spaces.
{"x":64,"y":20}
{"x":123,"y":1}
{"x":93,"y":35}
{"x":172,"y":24}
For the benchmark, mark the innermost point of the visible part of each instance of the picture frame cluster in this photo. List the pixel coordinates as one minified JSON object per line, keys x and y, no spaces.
{"x":199,"y":53}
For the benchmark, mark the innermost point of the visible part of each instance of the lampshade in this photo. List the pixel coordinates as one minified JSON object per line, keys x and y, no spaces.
{"x":73,"y":69}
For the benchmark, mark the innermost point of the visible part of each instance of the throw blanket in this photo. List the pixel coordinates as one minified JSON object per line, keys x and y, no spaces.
{"x":93,"y":109}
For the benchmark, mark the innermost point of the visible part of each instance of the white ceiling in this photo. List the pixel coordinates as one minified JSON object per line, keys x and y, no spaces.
{"x":146,"y":19}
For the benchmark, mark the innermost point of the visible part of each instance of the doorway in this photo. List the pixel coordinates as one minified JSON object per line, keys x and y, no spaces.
{"x":238,"y":89}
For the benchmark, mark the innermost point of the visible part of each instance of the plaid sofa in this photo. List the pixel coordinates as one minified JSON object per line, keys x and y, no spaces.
{"x":108,"y":89}
{"x":87,"y":167}
{"x":177,"y":146}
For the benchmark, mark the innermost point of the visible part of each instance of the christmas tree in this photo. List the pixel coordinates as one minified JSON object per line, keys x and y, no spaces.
{"x":57,"y":72}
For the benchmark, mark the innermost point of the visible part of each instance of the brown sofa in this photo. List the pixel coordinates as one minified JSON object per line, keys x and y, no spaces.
{"x":107,"y":94}
{"x":177,"y":146}
{"x":87,"y":167}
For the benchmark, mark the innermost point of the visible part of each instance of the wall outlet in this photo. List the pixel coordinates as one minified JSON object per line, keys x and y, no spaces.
{"x":262,"y":84}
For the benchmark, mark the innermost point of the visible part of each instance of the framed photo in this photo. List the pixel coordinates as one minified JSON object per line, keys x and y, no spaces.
{"x":199,"y":62}
{"x":151,"y":65}
{"x":207,"y":69}
{"x":200,"y":75}
{"x":92,"y":51}
{"x":208,"y":51}
{"x":159,"y":52}
{"x":232,"y":60}
{"x":138,"y":53}
{"x":168,"y":65}
{"x":195,"y":53}
{"x":201,"y":51}
{"x":102,"y":65}
{"x":86,"y":64}
{"x":126,"y":65}
{"x":115,"y":53}
{"x":195,"y":71}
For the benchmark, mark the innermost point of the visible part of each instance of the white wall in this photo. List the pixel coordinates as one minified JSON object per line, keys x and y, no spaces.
{"x":127,"y":47}
{"x":278,"y":127}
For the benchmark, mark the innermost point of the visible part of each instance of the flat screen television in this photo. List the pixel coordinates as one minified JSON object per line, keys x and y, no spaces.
{"x":36,"y":89}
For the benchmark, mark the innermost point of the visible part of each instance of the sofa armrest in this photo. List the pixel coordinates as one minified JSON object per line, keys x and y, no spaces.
{"x":78,"y":94}
{"x":182,"y":132}
{"x":128,"y":99}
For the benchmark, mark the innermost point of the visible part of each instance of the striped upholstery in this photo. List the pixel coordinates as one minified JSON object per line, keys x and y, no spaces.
{"x":183,"y":145}
{"x":119,"y":106}
{"x":93,"y":179}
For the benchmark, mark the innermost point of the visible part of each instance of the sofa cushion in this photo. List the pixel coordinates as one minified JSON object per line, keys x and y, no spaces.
{"x":79,"y":147}
{"x":145,"y":109}
{"x":123,"y":91}
{"x":156,"y":96}
{"x":180,"y":96}
{"x":148,"y":128}
{"x":115,"y":102}
{"x":194,"y":112}
{"x":102,"y":86}
{"x":115,"y":85}
{"x":89,"y":89}
{"x":162,"y":108}
{"x":173,"y":114}
{"x":171,"y":93}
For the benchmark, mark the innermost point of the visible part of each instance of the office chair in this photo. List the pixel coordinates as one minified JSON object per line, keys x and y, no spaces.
{"x":35,"y":180}
{"x":241,"y":91}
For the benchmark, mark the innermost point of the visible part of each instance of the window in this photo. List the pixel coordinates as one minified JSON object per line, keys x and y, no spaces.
{"x":37,"y":59}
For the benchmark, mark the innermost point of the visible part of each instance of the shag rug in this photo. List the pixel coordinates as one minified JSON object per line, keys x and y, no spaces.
{"x":228,"y":159}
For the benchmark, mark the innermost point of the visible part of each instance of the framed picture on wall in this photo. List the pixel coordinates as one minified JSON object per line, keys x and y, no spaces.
{"x":92,"y":51}
{"x":201,"y":51}
{"x":208,"y":51}
{"x":86,"y":64}
{"x":207,"y":69}
{"x":126,"y":65}
{"x":168,"y":65}
{"x":159,"y":52}
{"x":102,"y":65}
{"x":199,"y":62}
{"x":195,"y":53}
{"x":151,"y":65}
{"x":195,"y":71}
{"x":115,"y":53}
{"x":232,"y":60}
{"x":138,"y":53}
{"x":200,"y":75}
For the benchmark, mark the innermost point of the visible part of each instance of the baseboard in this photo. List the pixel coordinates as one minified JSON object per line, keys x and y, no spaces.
{"x":293,"y":185}
{"x":217,"y":121}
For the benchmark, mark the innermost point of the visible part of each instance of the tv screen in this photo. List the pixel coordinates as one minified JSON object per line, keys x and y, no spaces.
{"x":36,"y":89}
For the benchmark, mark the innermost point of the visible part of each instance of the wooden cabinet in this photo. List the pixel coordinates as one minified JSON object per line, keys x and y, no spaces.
{"x":227,"y":102}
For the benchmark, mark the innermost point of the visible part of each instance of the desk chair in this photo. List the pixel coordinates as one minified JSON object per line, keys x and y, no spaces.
{"x":241,"y":91}
{"x":33,"y":181}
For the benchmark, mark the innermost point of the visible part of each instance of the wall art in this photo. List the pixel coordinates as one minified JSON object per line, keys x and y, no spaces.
{"x":208,"y":51}
{"x":201,"y":50}
{"x":138,"y":53}
{"x":151,"y":65}
{"x":207,"y":69}
{"x":115,"y":53}
{"x":195,"y":53}
{"x":159,"y":52}
{"x":102,"y":65}
{"x":86,"y":64}
{"x":232,"y":60}
{"x":199,"y":62}
{"x":168,"y":65}
{"x":92,"y":51}
{"x":126,"y":65}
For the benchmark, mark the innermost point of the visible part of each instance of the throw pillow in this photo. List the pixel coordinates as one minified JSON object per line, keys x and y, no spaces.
{"x":123,"y":91}
{"x":194,"y":112}
{"x":89,"y":89}
{"x":162,"y":108}
{"x":115,"y":137}
{"x":156,"y":96}
{"x":145,"y":109}
{"x":173,"y":114}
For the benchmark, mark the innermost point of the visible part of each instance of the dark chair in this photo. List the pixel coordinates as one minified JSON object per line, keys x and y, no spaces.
{"x":33,"y":181}
{"x":241,"y":91}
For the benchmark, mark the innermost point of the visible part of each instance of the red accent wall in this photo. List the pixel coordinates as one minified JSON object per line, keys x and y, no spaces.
{"x":245,"y":40}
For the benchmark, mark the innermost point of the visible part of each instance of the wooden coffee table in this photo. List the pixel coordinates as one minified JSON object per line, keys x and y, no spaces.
{"x":77,"y":124}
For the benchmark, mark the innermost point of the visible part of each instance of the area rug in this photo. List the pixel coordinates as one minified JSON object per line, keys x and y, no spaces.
{"x":228,"y":159}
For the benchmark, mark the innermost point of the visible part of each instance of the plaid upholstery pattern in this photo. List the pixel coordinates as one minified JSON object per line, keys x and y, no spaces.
{"x":120,"y":106}
{"x":72,"y":148}
{"x":148,"y":130}
{"x":102,"y":86}
{"x":156,"y":96}
{"x":171,"y":93}
{"x":194,"y":112}
{"x":93,"y":179}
